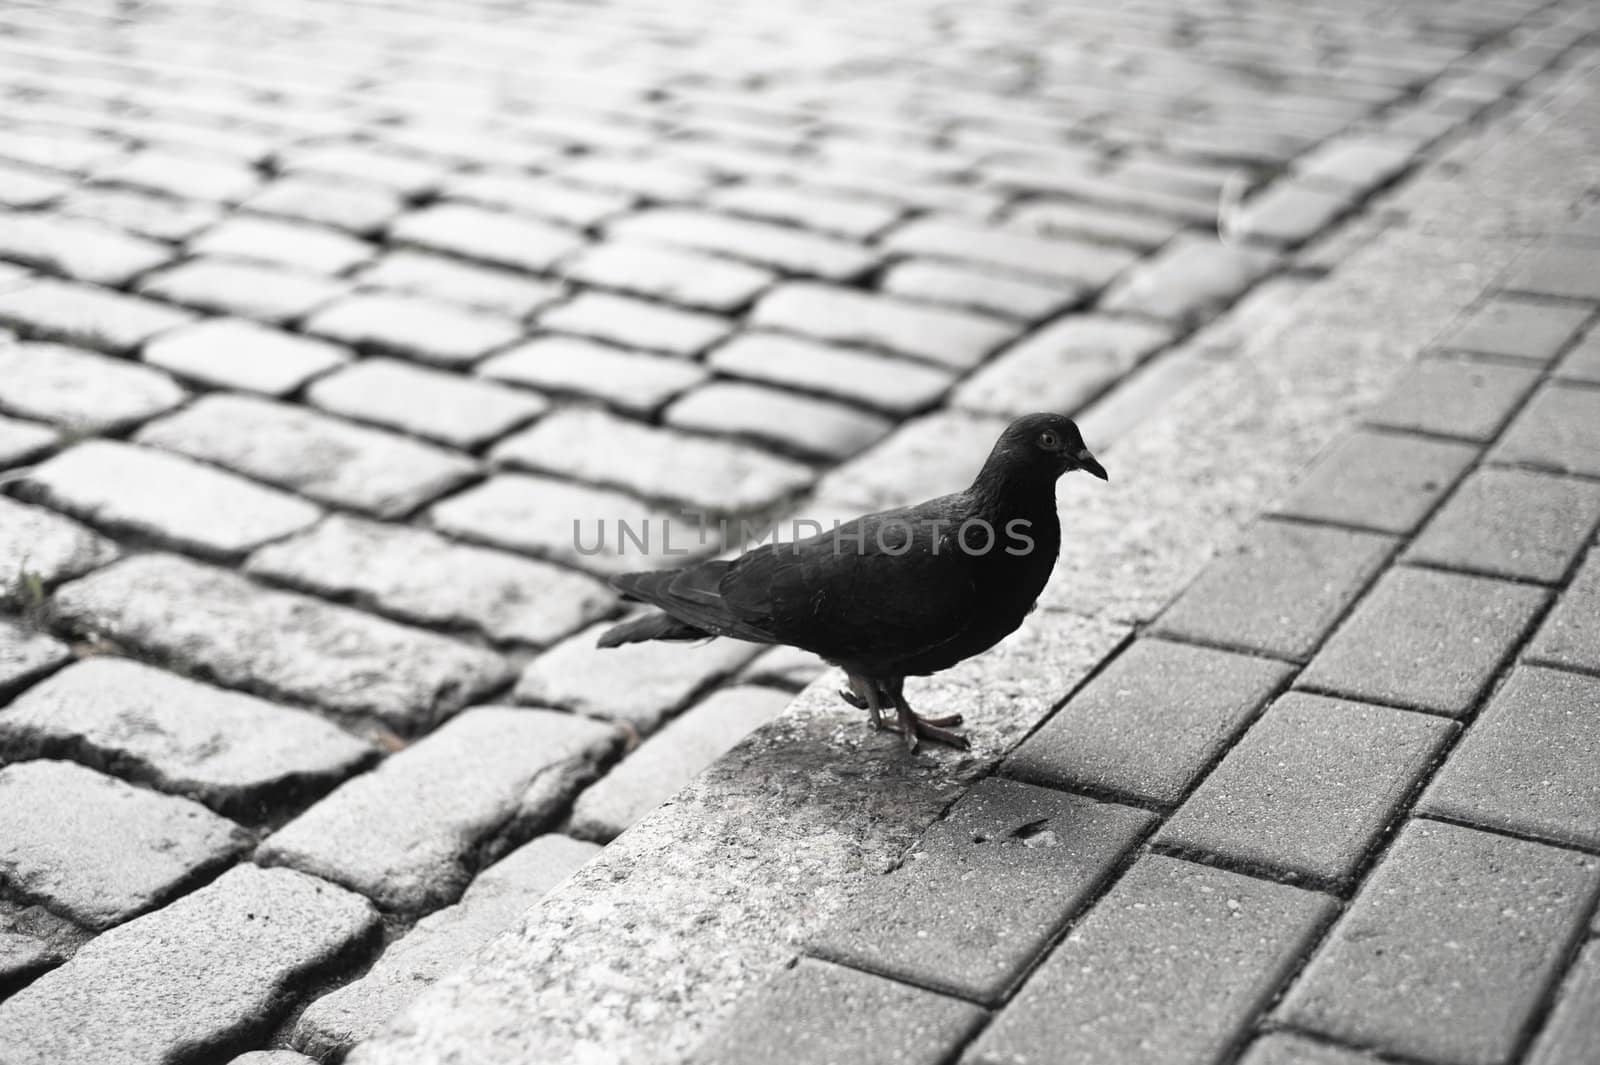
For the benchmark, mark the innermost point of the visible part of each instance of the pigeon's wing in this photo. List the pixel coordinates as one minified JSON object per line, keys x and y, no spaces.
{"x":691,"y":596}
{"x":880,"y":588}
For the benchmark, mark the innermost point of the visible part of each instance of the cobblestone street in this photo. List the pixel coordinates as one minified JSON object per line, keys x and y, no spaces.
{"x":340,"y":340}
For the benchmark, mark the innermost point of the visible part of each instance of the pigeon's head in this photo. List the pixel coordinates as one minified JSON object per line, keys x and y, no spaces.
{"x":1049,"y":444}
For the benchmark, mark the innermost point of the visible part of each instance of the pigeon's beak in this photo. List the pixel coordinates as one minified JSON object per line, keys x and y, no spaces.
{"x":1088,"y":462}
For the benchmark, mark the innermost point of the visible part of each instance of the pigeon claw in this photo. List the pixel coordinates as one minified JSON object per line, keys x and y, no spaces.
{"x":852,"y":698}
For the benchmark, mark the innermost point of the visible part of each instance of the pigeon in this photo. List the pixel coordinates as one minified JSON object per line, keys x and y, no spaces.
{"x":901,"y":593}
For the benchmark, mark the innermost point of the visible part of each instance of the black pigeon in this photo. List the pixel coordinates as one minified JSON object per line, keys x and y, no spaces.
{"x":903,"y":593}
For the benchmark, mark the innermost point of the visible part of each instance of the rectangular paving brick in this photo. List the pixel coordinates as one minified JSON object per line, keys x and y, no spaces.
{"x":1570,"y":635}
{"x":1572,"y":1031}
{"x":407,"y":834}
{"x":237,"y":354}
{"x":454,"y":410}
{"x":712,"y":475}
{"x":1167,"y":968}
{"x":82,"y":314}
{"x":250,"y":290}
{"x":166,"y":498}
{"x":311,"y":248}
{"x":814,"y":1013}
{"x":980,"y":288}
{"x":1073,"y":262}
{"x":1517,"y":327}
{"x":1455,"y":397}
{"x":26,"y":655}
{"x":668,"y":274}
{"x":986,"y":890}
{"x":233,"y":752}
{"x":957,"y":339}
{"x":1188,"y":280}
{"x":1570,"y":271}
{"x":1151,"y":723}
{"x":1389,"y":482}
{"x":39,"y":545}
{"x":782,"y":248}
{"x":807,"y":426}
{"x":1527,"y":765}
{"x":632,"y":323}
{"x":1426,"y":640}
{"x":414,"y":327}
{"x":896,"y":386}
{"x":441,"y":277}
{"x":325,"y":458}
{"x":496,"y":237}
{"x":214,"y":624}
{"x":1311,"y":786}
{"x":1470,"y":926}
{"x":1280,"y":590}
{"x":88,"y":251}
{"x":82,"y":391}
{"x":1512,"y":523}
{"x":94,"y":849}
{"x":419,"y":576}
{"x":1558,"y":430}
{"x":242,"y":948}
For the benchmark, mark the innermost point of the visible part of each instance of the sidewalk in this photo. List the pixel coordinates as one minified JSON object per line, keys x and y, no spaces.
{"x":320,"y":325}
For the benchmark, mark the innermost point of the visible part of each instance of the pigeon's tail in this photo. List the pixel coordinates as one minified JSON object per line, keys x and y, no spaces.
{"x":656,"y":626}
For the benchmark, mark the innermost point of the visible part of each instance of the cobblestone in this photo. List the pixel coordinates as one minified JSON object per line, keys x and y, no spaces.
{"x":814,"y":428}
{"x":1570,"y":635}
{"x":558,"y":202}
{"x":979,"y":288}
{"x":887,"y":384}
{"x":23,"y":957}
{"x":1062,"y":367}
{"x":439,"y":943}
{"x":1511,"y":523}
{"x":440,"y":277}
{"x":494,"y":237}
{"x":1089,"y":265}
{"x":414,"y":327}
{"x":420,"y":577}
{"x":212,"y":624}
{"x":930,"y":456}
{"x":1427,"y":640}
{"x":250,"y":290}
{"x":1516,"y":327}
{"x":1452,"y":397}
{"x":403,"y":173}
{"x":1558,"y":430}
{"x":156,"y":217}
{"x":238,"y":354}
{"x":99,"y":851}
{"x":671,"y":758}
{"x":776,"y":247}
{"x":1210,"y":948}
{"x":310,"y":248}
{"x":82,"y":314}
{"x":633,"y":382}
{"x":452,"y":410}
{"x":1384,"y":481}
{"x":1450,"y":946}
{"x":324,"y":458}
{"x":407,"y":834}
{"x":844,"y":216}
{"x":1052,"y":218}
{"x":239,"y":948}
{"x":233,"y":752}
{"x":25,"y":656}
{"x":670,"y":275}
{"x":181,"y":176}
{"x":632,"y":323}
{"x":1288,"y":213}
{"x":85,"y":250}
{"x":21,"y":441}
{"x":956,"y":339}
{"x":1150,"y":724}
{"x":1358,"y":162}
{"x":39,"y":545}
{"x":82,"y":391}
{"x":1187,"y":280}
{"x":351,"y":206}
{"x":1309,"y":788}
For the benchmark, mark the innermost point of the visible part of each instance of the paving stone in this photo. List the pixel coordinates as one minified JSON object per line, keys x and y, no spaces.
{"x":272,"y":1057}
{"x":420,"y":577}
{"x":82,"y":314}
{"x":1188,"y":280}
{"x":637,"y":685}
{"x":1309,"y":788}
{"x":1427,"y":640}
{"x":1570,"y":635}
{"x":1526,"y":765}
{"x":309,"y":248}
{"x":1287,"y":1048}
{"x":217,"y":625}
{"x":559,"y":202}
{"x":1512,"y":523}
{"x":250,"y":290}
{"x":329,"y":460}
{"x":443,"y":278}
{"x":1582,"y":363}
{"x":407,"y":834}
{"x":1449,"y":397}
{"x":1558,"y":430}
{"x":23,"y":957}
{"x":182,"y":176}
{"x":364,"y":162}
{"x":1449,"y":948}
{"x":13,"y":277}
{"x":23,"y":186}
{"x":1572,"y":1033}
{"x":99,"y":851}
{"x":25,"y":656}
{"x":1060,"y":218}
{"x":630,"y":381}
{"x":236,"y":754}
{"x":980,"y":288}
{"x":80,"y":391}
{"x":1517,"y":327}
{"x":415,"y":327}
{"x":21,"y":441}
{"x":353,"y":206}
{"x":440,"y":942}
{"x":716,"y":476}
{"x":777,"y":247}
{"x":1377,"y":480}
{"x":1570,"y":271}
{"x":496,"y":237}
{"x":241,"y":948}
{"x":1151,"y":723}
{"x":635,"y":323}
{"x":1288,"y":213}
{"x":1073,"y":262}
{"x":451,"y":409}
{"x":929,"y":456}
{"x":893,"y":385}
{"x":815,"y":428}
{"x":82,"y":249}
{"x":1358,"y":162}
{"x":659,"y":180}
{"x":986,"y":890}
{"x":670,"y":759}
{"x":813,"y":1013}
{"x":1061,"y":367}
{"x":845,"y":216}
{"x":670,"y":275}
{"x":166,"y":498}
{"x":957,"y":339}
{"x":1280,"y":590}
{"x":38,"y":545}
{"x":1199,"y":952}
{"x":238,"y":354}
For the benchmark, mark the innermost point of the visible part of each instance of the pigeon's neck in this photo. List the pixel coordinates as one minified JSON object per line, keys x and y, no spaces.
{"x":1001,"y":493}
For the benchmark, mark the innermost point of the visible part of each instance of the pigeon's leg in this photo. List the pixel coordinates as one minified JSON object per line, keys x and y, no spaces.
{"x":913,"y":729}
{"x":865,"y":695}
{"x":853,"y":694}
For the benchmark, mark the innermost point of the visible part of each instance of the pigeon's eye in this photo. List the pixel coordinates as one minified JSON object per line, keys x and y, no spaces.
{"x":1049,"y":440}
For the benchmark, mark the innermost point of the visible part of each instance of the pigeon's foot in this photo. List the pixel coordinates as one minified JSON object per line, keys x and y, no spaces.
{"x":852,"y":698}
{"x":914,"y":728}
{"x":864,"y":694}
